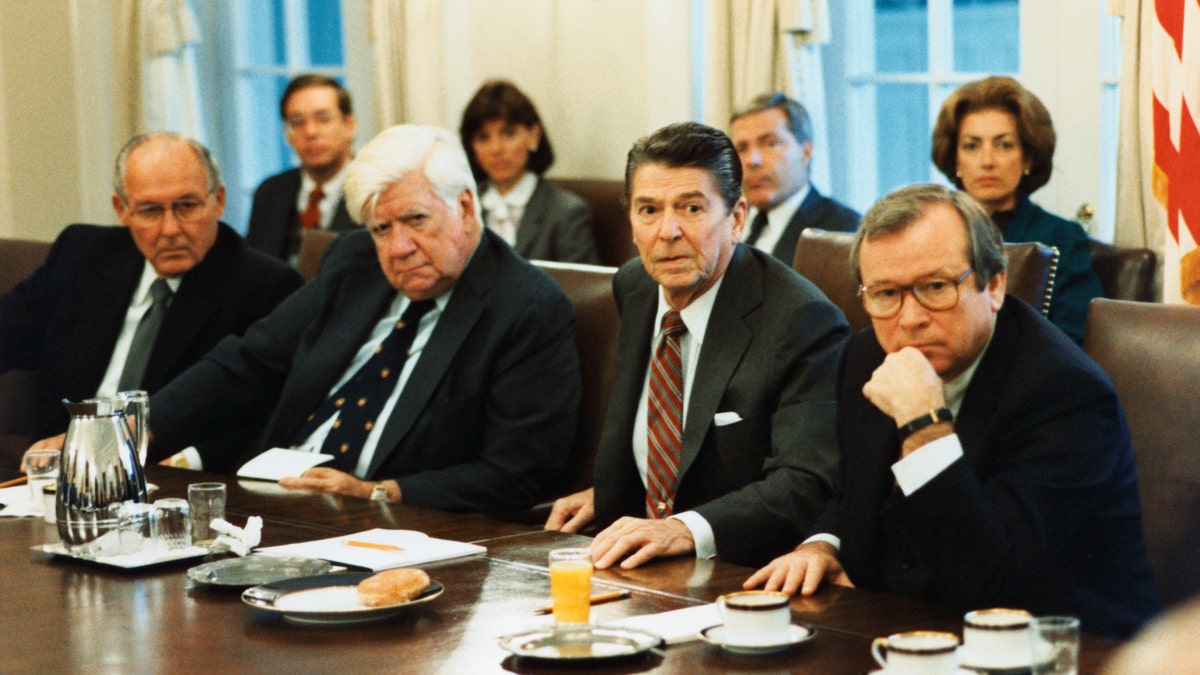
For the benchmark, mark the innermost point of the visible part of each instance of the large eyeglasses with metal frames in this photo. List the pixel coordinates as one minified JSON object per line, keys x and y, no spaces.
{"x":187,"y":209}
{"x":322,"y":119}
{"x":883,"y":301}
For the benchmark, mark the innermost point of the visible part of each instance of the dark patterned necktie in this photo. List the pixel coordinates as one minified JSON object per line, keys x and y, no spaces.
{"x":756,"y":227}
{"x":144,"y":336}
{"x":358,"y":402}
{"x":664,"y":418}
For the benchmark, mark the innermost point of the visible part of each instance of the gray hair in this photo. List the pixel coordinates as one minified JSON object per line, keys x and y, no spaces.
{"x":212,"y":172}
{"x":389,"y":157}
{"x":901,"y":208}
{"x":799,"y":123}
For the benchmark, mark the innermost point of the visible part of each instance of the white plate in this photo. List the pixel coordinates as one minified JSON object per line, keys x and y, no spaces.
{"x":716,"y":635}
{"x":327,"y":599}
{"x":127,"y":562}
{"x":586,"y":643}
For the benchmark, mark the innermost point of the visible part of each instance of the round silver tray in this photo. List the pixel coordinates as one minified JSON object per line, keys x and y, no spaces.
{"x":585,"y":643}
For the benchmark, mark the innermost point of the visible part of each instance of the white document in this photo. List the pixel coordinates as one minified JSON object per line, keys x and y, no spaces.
{"x":675,"y":626}
{"x":277,"y":463}
{"x":379,"y":549}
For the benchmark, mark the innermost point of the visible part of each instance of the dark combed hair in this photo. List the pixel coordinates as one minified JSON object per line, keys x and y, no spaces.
{"x":501,"y":100}
{"x":315,"y":80}
{"x":1034,"y":127}
{"x":689,"y":144}
{"x":799,"y":123}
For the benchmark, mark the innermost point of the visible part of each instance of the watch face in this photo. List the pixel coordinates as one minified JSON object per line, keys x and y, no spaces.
{"x":379,"y":493}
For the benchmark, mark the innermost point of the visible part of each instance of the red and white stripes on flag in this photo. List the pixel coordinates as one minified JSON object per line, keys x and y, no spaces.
{"x":1175,"y":80}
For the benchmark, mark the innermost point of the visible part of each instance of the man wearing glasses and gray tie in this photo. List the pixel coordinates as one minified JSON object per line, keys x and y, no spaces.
{"x":121,"y":308}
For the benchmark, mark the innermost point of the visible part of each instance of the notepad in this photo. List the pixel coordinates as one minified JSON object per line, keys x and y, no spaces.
{"x":278,"y":463}
{"x":380,"y":549}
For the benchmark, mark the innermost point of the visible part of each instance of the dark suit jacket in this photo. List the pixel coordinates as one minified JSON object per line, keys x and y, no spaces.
{"x":485,"y":420}
{"x":769,"y":355}
{"x":1042,"y":510}
{"x":557,"y":225}
{"x":815,"y":211}
{"x":65,"y":319}
{"x":274,"y":220}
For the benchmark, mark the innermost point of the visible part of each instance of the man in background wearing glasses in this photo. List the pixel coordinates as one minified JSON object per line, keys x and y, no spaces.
{"x":121,"y":308}
{"x":318,"y":122}
{"x":985,"y":458}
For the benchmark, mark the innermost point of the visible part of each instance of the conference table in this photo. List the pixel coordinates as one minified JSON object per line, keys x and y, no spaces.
{"x":63,"y":615}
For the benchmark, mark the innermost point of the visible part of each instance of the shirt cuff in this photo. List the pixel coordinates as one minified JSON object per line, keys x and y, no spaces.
{"x":926,"y":462}
{"x":702,"y":534}
{"x":833,"y":540}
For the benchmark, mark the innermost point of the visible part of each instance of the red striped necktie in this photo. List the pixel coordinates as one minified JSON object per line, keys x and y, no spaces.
{"x":664,"y":418}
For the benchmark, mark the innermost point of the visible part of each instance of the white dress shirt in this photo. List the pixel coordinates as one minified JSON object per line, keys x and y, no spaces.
{"x":504,"y":212}
{"x":777,"y":220}
{"x":138,"y":306}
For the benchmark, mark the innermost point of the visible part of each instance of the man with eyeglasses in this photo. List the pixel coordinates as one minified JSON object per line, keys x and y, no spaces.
{"x":318,"y":122}
{"x":123,"y":308}
{"x":985,"y":458}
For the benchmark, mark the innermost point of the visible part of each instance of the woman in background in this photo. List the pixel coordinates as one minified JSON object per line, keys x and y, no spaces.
{"x":509,"y":151}
{"x":995,"y":140}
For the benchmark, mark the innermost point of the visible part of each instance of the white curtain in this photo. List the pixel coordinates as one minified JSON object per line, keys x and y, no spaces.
{"x":387,"y":53}
{"x":157,"y":66}
{"x":775,"y":46}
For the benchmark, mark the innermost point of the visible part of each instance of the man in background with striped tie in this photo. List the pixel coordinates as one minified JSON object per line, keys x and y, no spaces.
{"x":719,"y":439}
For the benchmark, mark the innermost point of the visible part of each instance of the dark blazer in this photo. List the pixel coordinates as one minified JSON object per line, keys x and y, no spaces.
{"x":769,"y":355}
{"x":557,"y":225}
{"x":486,"y":418}
{"x":1042,"y":510}
{"x":275,"y":222}
{"x":815,"y":211}
{"x":64,"y":320}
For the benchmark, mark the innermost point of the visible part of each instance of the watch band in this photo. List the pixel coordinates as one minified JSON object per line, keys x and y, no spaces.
{"x":379,"y":493}
{"x":931,"y":417}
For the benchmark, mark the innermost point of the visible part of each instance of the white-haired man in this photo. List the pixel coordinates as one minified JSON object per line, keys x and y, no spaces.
{"x":435,"y":365}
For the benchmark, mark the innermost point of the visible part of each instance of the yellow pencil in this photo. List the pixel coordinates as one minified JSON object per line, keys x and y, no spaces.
{"x":371,"y":544}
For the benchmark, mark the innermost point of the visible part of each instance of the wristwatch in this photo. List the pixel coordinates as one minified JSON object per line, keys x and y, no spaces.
{"x":379,"y":493}
{"x":931,"y":417}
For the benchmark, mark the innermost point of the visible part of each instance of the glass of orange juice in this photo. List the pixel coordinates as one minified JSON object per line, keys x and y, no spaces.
{"x":571,"y":584}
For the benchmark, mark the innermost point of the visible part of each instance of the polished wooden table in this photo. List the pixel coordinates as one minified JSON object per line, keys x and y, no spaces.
{"x":67,"y":616}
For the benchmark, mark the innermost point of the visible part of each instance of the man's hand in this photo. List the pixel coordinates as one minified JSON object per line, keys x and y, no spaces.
{"x":644,"y":539}
{"x":573,"y":512}
{"x":905,"y":386}
{"x":802,"y":569}
{"x":324,"y":479}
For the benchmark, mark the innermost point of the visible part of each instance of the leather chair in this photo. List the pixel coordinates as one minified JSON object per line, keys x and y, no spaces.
{"x":614,"y":238}
{"x":18,"y":259}
{"x":1125,"y":273}
{"x":597,"y":325}
{"x":1152,"y":353}
{"x":312,"y":246}
{"x":823,"y":257}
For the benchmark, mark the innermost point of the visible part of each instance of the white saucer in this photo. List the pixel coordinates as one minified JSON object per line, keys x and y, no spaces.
{"x":1019,"y":664}
{"x":960,"y":671}
{"x":715,"y":635}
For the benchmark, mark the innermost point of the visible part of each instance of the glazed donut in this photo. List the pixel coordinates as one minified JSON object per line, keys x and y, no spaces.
{"x":391,"y":587}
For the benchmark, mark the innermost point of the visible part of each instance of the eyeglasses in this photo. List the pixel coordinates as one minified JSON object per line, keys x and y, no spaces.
{"x":187,"y":209}
{"x":321,"y":119}
{"x":883,"y":301}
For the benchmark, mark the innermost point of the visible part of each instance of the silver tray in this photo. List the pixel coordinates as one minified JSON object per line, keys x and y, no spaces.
{"x":585,"y":643}
{"x":253,"y":570}
{"x":327,"y":599}
{"x":127,"y":562}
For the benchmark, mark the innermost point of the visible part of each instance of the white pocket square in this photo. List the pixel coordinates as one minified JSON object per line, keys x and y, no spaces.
{"x":726,"y":418}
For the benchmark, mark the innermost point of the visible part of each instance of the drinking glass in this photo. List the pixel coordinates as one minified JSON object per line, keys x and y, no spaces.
{"x":207,"y":501}
{"x":1055,"y":645}
{"x":172,"y":523}
{"x":571,"y":584}
{"x":136,"y":406}
{"x":41,"y":466}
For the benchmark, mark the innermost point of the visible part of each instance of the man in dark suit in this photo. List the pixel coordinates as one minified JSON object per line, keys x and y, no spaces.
{"x":735,"y":451}
{"x":318,"y":122}
{"x":985,"y":458}
{"x":76,"y":319}
{"x":455,"y":358}
{"x":773,"y":137}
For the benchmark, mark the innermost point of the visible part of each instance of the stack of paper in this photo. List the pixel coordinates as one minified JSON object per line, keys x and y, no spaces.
{"x":380,"y":549}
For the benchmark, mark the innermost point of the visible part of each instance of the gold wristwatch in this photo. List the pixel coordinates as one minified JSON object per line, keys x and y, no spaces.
{"x":379,"y":493}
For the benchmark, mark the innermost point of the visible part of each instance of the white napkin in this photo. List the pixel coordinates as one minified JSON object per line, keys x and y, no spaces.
{"x":239,"y":540}
{"x":675,"y":626}
{"x":18,"y":502}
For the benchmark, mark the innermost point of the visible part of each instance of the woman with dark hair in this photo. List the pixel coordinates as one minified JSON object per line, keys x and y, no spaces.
{"x":509,"y":151}
{"x":995,"y":140}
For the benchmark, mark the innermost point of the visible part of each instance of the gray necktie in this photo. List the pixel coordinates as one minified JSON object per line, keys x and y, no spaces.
{"x":144,"y":336}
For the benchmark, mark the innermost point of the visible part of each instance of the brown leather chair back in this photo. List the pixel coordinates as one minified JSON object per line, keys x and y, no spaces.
{"x":1152,"y":353}
{"x":614,"y":238}
{"x":597,"y":326}
{"x":823,"y":257}
{"x":312,"y":245}
{"x":1125,"y":273}
{"x":18,"y":259}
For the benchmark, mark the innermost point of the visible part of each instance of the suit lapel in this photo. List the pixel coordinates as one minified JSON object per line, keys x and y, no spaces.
{"x":535,"y":212}
{"x":102,"y":307}
{"x":725,"y":341}
{"x":985,"y":393}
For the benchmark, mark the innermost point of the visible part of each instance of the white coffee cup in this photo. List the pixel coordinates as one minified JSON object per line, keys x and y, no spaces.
{"x":919,"y":652}
{"x":996,"y":638}
{"x":755,"y":618}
